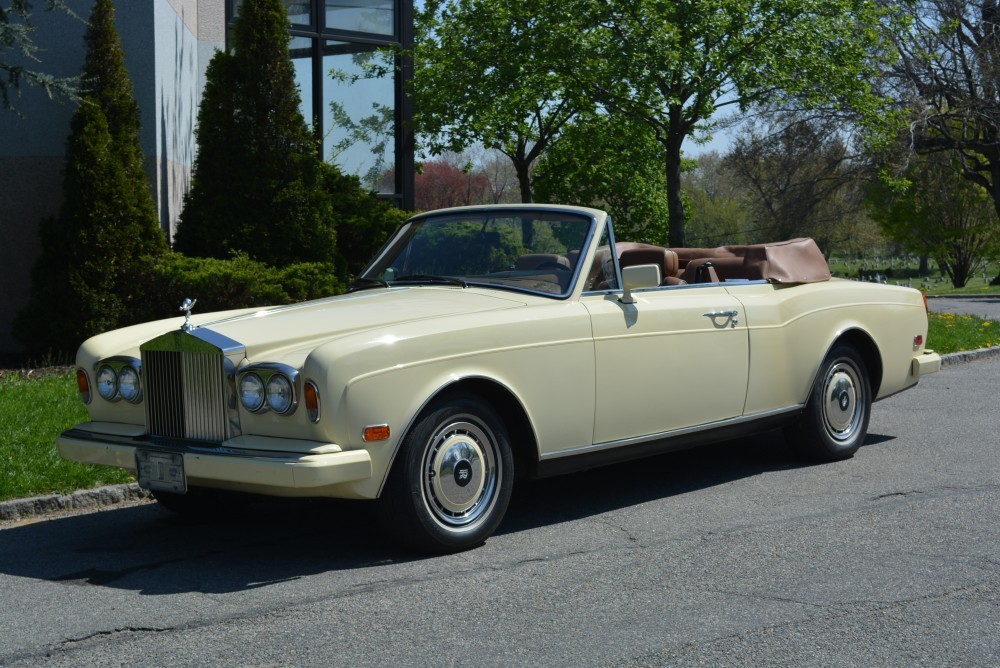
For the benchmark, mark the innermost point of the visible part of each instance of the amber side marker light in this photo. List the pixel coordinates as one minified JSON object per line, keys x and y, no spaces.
{"x":83,"y":385}
{"x":927,"y":304}
{"x":375,"y":432}
{"x":312,"y":401}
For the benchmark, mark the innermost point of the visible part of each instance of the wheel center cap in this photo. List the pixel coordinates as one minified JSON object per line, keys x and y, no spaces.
{"x":463,"y":473}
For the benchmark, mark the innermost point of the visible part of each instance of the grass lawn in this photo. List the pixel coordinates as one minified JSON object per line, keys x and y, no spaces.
{"x":949,"y":333}
{"x":37,"y":406}
{"x":35,"y":410}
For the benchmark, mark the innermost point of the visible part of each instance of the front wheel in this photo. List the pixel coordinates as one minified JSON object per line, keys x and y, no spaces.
{"x":451,"y":482}
{"x":835,"y":421}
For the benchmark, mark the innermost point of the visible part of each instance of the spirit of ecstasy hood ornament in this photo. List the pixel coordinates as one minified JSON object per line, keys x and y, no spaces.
{"x":187,"y":306}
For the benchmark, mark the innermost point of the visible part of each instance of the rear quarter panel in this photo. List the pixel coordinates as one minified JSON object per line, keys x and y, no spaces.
{"x":793,"y":327}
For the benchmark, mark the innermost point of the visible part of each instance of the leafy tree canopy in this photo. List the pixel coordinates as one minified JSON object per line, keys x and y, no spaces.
{"x":483,"y":74}
{"x":612,"y":164}
{"x":936,"y":212}
{"x":673,"y":65}
{"x":514,"y":73}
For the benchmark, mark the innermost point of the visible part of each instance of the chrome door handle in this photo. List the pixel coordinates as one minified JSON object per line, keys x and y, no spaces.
{"x":732,"y":315}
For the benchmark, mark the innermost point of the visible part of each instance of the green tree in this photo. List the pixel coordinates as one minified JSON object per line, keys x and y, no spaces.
{"x":258,"y":183}
{"x":718,"y":211}
{"x":802,"y":179}
{"x":93,"y":251}
{"x":936,"y":212}
{"x":674,"y":65}
{"x":16,"y":30}
{"x":950,"y":64}
{"x":613,"y":164}
{"x":482,"y":75}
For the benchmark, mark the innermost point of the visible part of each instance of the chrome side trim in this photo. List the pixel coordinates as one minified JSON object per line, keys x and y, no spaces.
{"x":673,"y":433}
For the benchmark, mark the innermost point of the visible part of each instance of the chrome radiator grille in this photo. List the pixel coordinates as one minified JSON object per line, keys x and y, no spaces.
{"x":186,"y":395}
{"x":188,"y":386}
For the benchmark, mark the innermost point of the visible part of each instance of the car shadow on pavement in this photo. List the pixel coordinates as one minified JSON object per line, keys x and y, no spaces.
{"x":572,"y":497}
{"x":148,"y":549}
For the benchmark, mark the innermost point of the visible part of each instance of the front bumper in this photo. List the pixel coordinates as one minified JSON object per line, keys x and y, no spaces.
{"x":283,"y":467}
{"x":926,"y":363}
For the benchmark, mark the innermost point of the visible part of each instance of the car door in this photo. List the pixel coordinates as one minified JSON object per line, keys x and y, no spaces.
{"x":675,"y":359}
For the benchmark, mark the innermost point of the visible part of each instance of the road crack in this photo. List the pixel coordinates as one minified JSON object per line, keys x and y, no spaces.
{"x":125,"y":630}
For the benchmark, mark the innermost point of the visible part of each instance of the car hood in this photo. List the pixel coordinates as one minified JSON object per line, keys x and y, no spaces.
{"x":281,"y":331}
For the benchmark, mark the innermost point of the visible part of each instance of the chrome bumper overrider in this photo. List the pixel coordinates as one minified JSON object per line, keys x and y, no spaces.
{"x":268,"y":463}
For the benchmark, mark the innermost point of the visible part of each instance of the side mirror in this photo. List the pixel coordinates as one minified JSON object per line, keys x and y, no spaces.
{"x":638,"y":277}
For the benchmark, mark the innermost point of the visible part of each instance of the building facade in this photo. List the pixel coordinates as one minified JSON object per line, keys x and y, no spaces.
{"x":352,"y":95}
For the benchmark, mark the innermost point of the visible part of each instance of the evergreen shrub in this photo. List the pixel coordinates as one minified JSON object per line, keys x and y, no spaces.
{"x":239,"y":282}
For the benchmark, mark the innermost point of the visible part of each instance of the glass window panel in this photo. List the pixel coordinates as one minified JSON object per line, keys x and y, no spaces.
{"x":298,"y":12}
{"x":371,"y":16}
{"x":301,"y":50}
{"x":359,"y":103}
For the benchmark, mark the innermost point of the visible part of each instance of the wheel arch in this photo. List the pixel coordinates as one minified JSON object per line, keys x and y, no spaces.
{"x":861,"y":341}
{"x":523,"y":442}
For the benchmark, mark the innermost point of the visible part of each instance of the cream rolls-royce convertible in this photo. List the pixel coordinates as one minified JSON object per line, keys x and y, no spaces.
{"x":484,"y":344}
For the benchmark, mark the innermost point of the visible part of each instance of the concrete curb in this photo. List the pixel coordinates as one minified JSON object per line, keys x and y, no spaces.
{"x":19,"y":509}
{"x":969,"y":356}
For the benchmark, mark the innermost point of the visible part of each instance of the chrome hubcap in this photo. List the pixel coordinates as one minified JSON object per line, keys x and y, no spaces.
{"x":460,"y":473}
{"x":841,"y":408}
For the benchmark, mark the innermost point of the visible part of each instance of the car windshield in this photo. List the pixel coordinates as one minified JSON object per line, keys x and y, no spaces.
{"x":535,"y":251}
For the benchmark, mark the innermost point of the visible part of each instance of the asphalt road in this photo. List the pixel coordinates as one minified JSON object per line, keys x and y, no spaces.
{"x":987,"y":308}
{"x":732,"y":555}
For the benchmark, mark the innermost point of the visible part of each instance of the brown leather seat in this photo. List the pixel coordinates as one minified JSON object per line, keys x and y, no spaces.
{"x":703,"y":270}
{"x":665,"y":258}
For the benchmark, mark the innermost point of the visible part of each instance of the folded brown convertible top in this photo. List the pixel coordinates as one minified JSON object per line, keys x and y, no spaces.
{"x":792,"y":261}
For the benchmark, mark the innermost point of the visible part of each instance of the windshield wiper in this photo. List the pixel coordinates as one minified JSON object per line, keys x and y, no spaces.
{"x":364,"y":282}
{"x":430,"y":278}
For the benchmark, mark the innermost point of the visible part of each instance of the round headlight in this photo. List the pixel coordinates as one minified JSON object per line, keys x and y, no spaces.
{"x":279,"y":394}
{"x":129,"y":385}
{"x":252,"y":392}
{"x":107,"y":383}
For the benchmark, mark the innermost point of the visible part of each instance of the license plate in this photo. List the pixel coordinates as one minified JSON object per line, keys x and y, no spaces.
{"x":162,"y":471}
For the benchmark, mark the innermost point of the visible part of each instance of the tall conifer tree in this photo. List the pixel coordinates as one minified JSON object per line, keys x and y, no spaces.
{"x":92,"y":252}
{"x":259,"y":185}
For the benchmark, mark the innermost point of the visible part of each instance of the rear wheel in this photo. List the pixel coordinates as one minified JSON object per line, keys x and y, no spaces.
{"x":451,"y":482}
{"x":835,"y":421}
